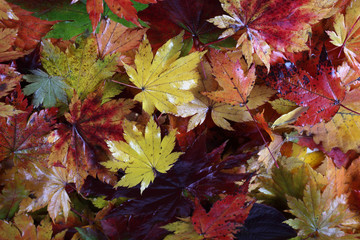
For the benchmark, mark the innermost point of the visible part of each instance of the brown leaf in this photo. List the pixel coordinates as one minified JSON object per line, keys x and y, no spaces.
{"x":113,"y":38}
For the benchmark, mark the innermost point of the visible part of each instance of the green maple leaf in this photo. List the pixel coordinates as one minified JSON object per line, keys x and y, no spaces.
{"x":289,"y":179}
{"x":320,"y":215}
{"x":74,"y":20}
{"x":47,"y":89}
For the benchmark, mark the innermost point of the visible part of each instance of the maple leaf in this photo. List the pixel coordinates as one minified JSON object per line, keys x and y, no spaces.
{"x":142,"y":156}
{"x":319,"y":214}
{"x":47,"y":89}
{"x":79,"y":67}
{"x":164,"y":80}
{"x":113,"y":38}
{"x":52,"y":193}
{"x":223,"y":218}
{"x":346,"y":34}
{"x":221,"y":222}
{"x":281,"y":25}
{"x":289,"y":179}
{"x":342,"y":130}
{"x":230,"y":76}
{"x":321,"y":93}
{"x":81,"y":140}
{"x":220,"y":112}
{"x":23,"y":227}
{"x":23,"y":137}
{"x":8,"y":80}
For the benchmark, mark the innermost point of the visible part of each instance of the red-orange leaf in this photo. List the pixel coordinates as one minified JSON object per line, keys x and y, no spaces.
{"x":230,"y":76}
{"x":125,"y":9}
{"x":321,"y":92}
{"x":223,"y":219}
{"x":94,"y":8}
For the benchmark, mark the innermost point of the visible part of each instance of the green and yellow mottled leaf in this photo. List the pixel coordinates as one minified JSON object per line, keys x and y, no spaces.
{"x":78,"y":66}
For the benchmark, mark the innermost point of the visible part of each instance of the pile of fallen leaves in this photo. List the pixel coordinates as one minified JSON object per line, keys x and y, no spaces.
{"x":180,"y":119}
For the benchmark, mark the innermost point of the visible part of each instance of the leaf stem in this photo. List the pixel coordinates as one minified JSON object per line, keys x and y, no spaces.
{"x":349,"y":109}
{"x":216,"y":41}
{"x":121,"y":83}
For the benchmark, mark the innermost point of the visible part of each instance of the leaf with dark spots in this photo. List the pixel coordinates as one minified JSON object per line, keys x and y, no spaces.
{"x":322,"y":92}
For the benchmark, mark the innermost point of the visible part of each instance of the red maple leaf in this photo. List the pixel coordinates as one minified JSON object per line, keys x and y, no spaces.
{"x":122,"y":8}
{"x":321,"y":92}
{"x":81,"y":143}
{"x":23,"y":137}
{"x":224,"y":218}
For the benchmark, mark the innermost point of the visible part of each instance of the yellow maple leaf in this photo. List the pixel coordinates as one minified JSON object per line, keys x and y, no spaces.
{"x":164,"y":79}
{"x":79,"y":67}
{"x":142,"y":156}
{"x":182,"y":230}
{"x":346,"y":34}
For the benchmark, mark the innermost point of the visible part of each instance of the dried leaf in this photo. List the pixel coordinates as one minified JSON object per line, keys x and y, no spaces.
{"x":114,"y":37}
{"x":230,"y":76}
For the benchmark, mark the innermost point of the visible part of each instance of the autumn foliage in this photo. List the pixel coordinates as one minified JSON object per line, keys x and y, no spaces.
{"x":179,"y":119}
